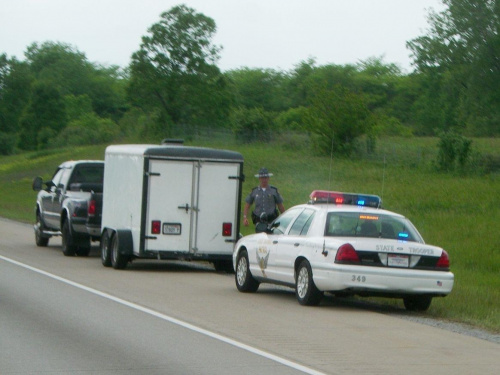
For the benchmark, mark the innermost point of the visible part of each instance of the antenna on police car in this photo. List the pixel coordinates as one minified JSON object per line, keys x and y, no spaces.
{"x":331,"y":162}
{"x":383,"y":181}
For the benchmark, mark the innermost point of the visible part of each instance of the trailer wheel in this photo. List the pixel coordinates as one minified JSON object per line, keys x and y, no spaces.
{"x":105,"y":250}
{"x":223,"y":266}
{"x":118,"y":260}
{"x":68,"y":245}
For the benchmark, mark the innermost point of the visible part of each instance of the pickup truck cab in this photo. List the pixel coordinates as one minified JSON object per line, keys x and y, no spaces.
{"x":70,"y":206}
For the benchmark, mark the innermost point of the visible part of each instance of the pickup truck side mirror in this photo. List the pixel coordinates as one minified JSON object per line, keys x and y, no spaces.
{"x":37,"y":183}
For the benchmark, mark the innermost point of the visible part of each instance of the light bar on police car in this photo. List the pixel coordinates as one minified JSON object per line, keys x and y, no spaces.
{"x":366,"y":200}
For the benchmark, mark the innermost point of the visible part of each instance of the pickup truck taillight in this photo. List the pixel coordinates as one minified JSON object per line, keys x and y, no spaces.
{"x":92,"y":208}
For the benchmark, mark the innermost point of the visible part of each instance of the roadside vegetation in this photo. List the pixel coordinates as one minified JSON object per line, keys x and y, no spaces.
{"x":456,"y":211}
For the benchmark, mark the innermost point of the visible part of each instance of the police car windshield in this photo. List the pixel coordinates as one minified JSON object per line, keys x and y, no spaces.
{"x":356,"y":224}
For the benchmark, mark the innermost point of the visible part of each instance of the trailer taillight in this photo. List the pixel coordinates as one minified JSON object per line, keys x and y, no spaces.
{"x":227,"y":229}
{"x":156,"y":227}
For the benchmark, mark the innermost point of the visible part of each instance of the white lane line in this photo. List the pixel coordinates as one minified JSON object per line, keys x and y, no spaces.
{"x":170,"y":319}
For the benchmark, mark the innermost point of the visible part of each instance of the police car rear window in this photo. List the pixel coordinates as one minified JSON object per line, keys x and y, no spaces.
{"x":355,"y":224}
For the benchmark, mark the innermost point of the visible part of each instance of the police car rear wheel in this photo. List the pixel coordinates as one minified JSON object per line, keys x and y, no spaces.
{"x":244,"y":279}
{"x":306,"y":291}
{"x":417,"y":303}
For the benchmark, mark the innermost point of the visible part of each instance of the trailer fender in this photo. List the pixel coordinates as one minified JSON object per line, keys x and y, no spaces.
{"x":125,"y":240}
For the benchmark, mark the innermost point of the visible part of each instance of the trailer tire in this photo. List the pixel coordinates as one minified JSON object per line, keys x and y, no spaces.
{"x":118,"y":259}
{"x":223,"y":266}
{"x":105,"y":249}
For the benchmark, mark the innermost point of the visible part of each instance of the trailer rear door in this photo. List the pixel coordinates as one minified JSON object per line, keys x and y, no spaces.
{"x":189,"y":204}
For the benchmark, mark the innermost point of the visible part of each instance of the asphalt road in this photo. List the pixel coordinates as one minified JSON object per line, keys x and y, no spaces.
{"x":61,"y":315}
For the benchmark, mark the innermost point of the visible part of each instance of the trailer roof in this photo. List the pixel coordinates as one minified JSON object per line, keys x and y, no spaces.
{"x":174,"y":151}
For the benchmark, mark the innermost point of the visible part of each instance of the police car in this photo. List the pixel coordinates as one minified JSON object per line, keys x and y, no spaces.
{"x":345,"y":244}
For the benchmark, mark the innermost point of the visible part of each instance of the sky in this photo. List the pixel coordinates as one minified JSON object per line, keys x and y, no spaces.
{"x":267,"y":34}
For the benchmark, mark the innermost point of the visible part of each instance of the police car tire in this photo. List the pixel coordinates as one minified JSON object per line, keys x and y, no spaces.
{"x":306,"y":291}
{"x":244,"y":279}
{"x":417,"y":303}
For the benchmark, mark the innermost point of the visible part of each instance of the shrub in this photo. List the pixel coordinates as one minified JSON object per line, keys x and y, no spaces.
{"x":8,"y":143}
{"x":454,"y":151}
{"x":252,"y":125}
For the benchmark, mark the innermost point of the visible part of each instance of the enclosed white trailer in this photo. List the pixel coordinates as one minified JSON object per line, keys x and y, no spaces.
{"x":170,"y":202}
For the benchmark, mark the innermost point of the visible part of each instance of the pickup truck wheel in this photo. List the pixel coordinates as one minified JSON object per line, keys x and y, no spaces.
{"x":83,"y":250}
{"x":118,"y":261}
{"x":40,"y":240}
{"x":105,"y":250}
{"x":68,"y":245}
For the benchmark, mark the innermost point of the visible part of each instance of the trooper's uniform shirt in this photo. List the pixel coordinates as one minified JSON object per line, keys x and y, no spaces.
{"x":265,"y":201}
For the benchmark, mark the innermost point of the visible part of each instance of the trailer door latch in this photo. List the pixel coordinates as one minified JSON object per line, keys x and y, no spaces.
{"x":185,"y":207}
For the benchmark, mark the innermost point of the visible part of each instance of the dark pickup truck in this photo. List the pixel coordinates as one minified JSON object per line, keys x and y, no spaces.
{"x":70,"y":206}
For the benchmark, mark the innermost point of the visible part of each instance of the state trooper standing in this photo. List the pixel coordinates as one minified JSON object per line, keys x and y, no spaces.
{"x":267,"y":200}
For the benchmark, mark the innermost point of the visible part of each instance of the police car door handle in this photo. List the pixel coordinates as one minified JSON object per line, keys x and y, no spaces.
{"x":275,"y":242}
{"x":296,"y":244}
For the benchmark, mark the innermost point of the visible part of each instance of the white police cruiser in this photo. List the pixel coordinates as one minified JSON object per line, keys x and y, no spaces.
{"x":345,"y":244}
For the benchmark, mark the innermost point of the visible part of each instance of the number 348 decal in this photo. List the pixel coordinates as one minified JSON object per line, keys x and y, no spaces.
{"x":358,"y":278}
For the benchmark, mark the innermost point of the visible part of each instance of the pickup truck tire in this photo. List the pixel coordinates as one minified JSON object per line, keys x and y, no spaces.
{"x":105,"y":250}
{"x":68,"y":244}
{"x":118,"y":261}
{"x":40,"y":240}
{"x":83,"y":249}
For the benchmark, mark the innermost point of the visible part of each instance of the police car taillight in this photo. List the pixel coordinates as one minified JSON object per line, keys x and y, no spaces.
{"x":335,"y":197}
{"x":346,"y":254}
{"x":444,"y":261}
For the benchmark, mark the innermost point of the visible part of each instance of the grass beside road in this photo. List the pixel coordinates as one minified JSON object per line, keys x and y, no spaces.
{"x":459,"y":213}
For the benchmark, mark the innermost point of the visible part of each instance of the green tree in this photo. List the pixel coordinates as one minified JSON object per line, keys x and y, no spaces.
{"x":44,"y":115}
{"x":175,"y":70}
{"x":259,"y":88}
{"x":338,"y":117}
{"x":461,"y":52}
{"x":71,"y":73}
{"x":15,"y":83}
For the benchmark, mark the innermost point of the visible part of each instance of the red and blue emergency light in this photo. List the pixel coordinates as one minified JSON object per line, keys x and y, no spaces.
{"x":335,"y":197}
